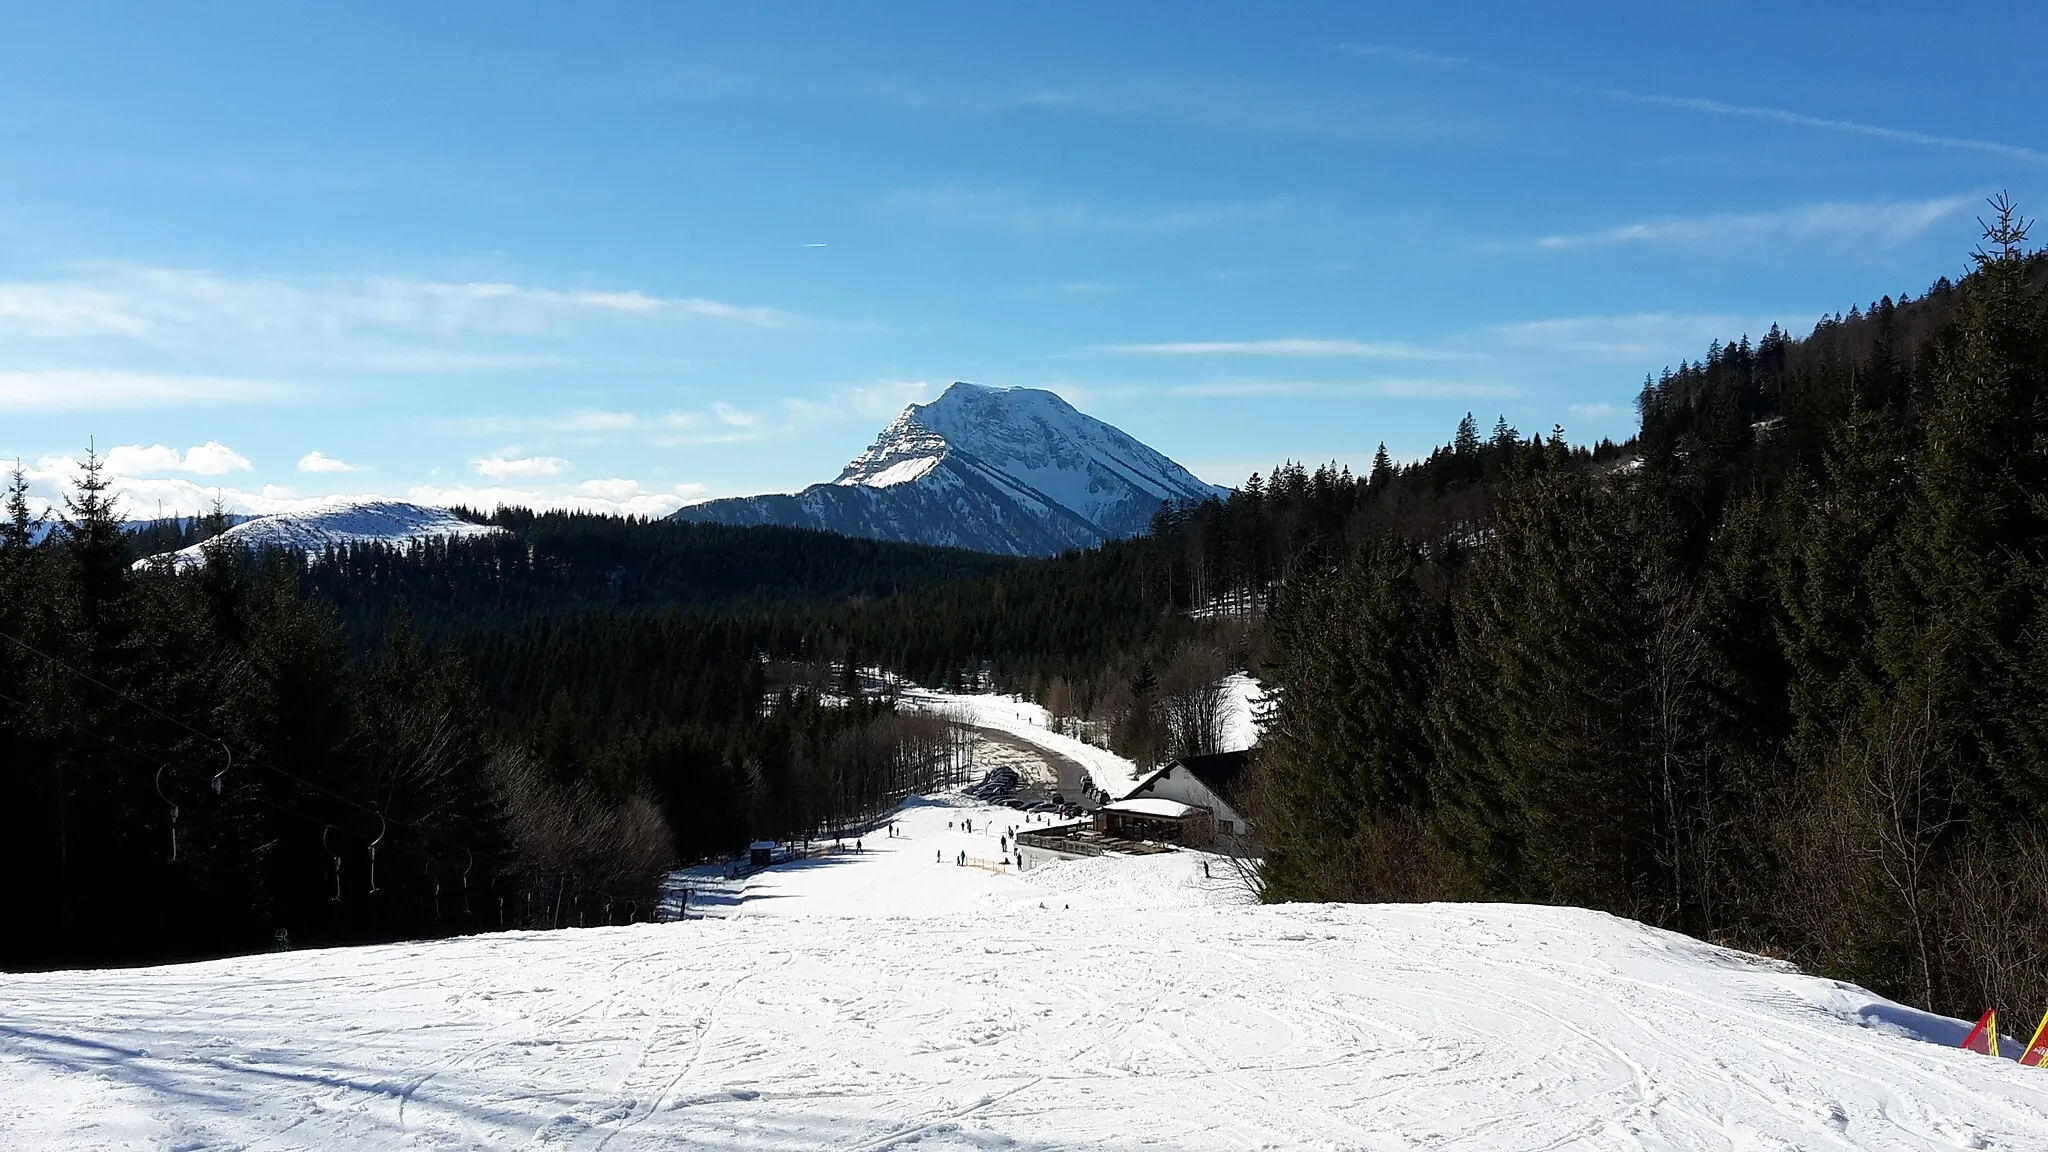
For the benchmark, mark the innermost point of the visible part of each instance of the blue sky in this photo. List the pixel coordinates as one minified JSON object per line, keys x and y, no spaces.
{"x":620,"y":257}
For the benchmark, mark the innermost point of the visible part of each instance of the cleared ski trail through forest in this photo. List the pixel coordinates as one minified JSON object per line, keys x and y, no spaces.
{"x":887,"y":999}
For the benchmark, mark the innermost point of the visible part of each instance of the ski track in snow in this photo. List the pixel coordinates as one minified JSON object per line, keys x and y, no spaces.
{"x":883,"y":1000}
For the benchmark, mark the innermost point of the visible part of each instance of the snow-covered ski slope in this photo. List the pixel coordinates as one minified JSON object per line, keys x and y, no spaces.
{"x":1031,"y":723}
{"x":885,"y":1000}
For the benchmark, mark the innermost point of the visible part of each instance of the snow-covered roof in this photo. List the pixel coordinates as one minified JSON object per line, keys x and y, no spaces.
{"x":758,"y":844}
{"x":1153,"y":806}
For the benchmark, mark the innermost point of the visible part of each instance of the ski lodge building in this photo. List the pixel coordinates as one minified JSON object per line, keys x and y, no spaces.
{"x":1184,"y":803}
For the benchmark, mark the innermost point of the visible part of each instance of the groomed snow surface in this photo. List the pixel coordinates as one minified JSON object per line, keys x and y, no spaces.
{"x":895,"y":999}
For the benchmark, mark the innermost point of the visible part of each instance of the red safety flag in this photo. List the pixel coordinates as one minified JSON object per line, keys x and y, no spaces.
{"x":2036,"y":1053}
{"x":1984,"y":1037}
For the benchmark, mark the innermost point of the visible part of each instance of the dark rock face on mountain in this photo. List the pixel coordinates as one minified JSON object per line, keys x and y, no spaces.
{"x":1011,"y":470}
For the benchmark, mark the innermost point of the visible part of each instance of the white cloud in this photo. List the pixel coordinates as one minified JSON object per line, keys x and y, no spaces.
{"x":215,"y":459}
{"x":611,"y":488}
{"x":500,"y":468}
{"x":1289,"y":347}
{"x":317,"y":461}
{"x":616,"y":497}
{"x":81,"y":390}
{"x":1873,"y":221}
{"x":136,"y":460}
{"x":1600,"y":411}
{"x":209,"y":459}
{"x":51,"y":478}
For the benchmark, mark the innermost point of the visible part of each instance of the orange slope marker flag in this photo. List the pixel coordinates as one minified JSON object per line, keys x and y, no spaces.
{"x":1984,"y":1037}
{"x":2036,"y":1053}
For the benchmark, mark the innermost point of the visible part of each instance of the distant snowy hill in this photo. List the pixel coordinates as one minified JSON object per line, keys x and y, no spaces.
{"x":349,"y":522}
{"x":1011,"y":470}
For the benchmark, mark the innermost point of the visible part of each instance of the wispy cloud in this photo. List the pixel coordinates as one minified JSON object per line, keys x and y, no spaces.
{"x":1368,"y":349}
{"x":719,"y":422}
{"x":1886,"y":221}
{"x":580,"y":421}
{"x":1786,"y":116}
{"x":499,"y":467}
{"x":317,"y":461}
{"x":161,"y":305}
{"x":86,"y":389}
{"x":1648,"y":339}
{"x":1826,"y":123}
{"x":1391,"y":389}
{"x":1211,"y":102}
{"x":1018,"y":212}
{"x":735,"y":417}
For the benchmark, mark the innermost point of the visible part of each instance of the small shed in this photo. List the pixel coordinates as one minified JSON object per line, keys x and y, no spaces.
{"x":1154,"y":818}
{"x":761,"y":853}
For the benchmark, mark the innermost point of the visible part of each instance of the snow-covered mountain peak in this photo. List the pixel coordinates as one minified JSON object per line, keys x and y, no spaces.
{"x":340,"y":522}
{"x":1034,"y":438}
{"x":1014,"y":470}
{"x":905,"y":450}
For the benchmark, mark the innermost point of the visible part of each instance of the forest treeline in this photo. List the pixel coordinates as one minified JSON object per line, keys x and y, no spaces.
{"x":1776,"y":675}
{"x":1773,"y":672}
{"x":382,"y":743}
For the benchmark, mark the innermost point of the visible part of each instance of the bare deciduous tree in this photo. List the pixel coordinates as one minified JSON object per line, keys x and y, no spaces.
{"x":1909,"y":793}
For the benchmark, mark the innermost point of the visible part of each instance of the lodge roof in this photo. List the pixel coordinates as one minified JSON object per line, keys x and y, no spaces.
{"x":1219,"y":772}
{"x":1154,"y":806}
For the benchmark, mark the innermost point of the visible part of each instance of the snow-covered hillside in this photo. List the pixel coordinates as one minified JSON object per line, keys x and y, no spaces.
{"x":1031,"y":723}
{"x":895,"y":999}
{"x":345,"y":522}
{"x":1013,"y":470}
{"x":1243,"y":697}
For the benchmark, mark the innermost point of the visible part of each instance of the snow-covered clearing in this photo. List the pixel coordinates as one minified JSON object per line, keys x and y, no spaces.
{"x":1243,"y":696}
{"x":887,"y":1000}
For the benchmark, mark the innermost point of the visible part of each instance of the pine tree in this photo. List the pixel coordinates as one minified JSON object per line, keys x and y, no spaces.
{"x":1466,"y":443}
{"x":1345,"y":774}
